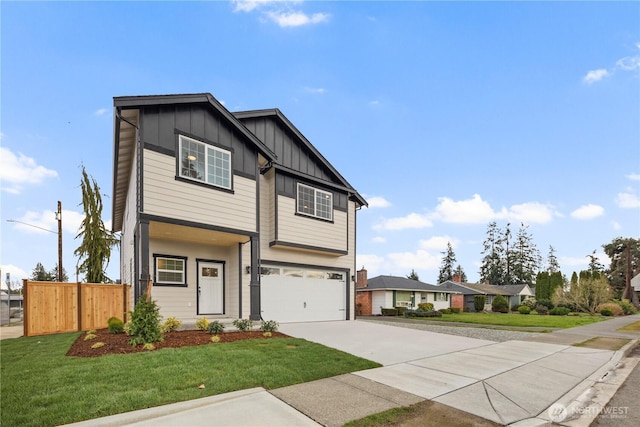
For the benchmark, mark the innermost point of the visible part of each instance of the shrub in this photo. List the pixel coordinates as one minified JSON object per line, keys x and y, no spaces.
{"x":425,"y":306}
{"x":445,"y":310}
{"x":243,"y":325}
{"x":422,"y":313}
{"x":269,"y":326}
{"x":171,"y":324}
{"x":547,"y":303}
{"x":515,"y":307}
{"x":90,"y":336}
{"x":127,"y":328}
{"x":400,"y":310}
{"x":267,"y":334}
{"x":215,"y":327}
{"x":202,"y":324}
{"x":455,"y":310}
{"x":542,"y":309}
{"x":97,"y":345}
{"x":389,"y":312}
{"x":215,"y":339}
{"x":606,"y":312}
{"x":145,"y":322}
{"x":115,"y":325}
{"x":478,"y":302}
{"x":615,"y":309}
{"x":499,"y":304}
{"x":559,"y":311}
{"x":523,"y":309}
{"x":148,"y":346}
{"x":529,"y":302}
{"x":627,"y":307}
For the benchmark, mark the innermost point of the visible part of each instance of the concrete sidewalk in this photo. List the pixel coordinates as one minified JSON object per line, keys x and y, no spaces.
{"x":510,"y":383}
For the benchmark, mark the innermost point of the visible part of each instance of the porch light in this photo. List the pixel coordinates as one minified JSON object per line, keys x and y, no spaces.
{"x":247,"y":269}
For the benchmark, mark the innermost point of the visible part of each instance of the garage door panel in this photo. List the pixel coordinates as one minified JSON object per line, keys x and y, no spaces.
{"x":299,"y":299}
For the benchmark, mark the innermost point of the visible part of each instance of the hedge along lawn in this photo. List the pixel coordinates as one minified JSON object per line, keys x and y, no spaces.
{"x":42,"y":387}
{"x":518,"y":320}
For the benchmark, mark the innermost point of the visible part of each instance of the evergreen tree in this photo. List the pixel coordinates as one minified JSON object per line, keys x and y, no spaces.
{"x":525,"y":258}
{"x":595,"y":266}
{"x":40,"y":274}
{"x":97,"y":241}
{"x":552,"y":261}
{"x":54,"y":274}
{"x":462,"y":276}
{"x":446,"y":268}
{"x":491,"y":269}
{"x":413,"y":275}
{"x":617,"y":271}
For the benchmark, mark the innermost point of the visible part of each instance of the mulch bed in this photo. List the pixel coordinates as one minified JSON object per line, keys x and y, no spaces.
{"x":119,"y":343}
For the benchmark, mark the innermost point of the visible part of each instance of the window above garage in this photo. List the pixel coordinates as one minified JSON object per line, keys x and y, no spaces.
{"x":314,"y":202}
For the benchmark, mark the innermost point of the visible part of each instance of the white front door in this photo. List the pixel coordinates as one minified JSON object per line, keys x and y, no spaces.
{"x":210,"y":287}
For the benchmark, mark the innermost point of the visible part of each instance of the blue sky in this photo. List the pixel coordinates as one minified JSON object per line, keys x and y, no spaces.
{"x":444,"y":115}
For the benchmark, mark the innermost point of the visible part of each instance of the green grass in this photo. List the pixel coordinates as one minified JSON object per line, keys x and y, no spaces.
{"x":40,"y":386}
{"x":518,"y":320}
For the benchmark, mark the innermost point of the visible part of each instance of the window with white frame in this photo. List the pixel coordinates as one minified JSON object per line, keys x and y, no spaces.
{"x":170,"y":270}
{"x":315,"y":202}
{"x":204,"y":162}
{"x":441,"y":296}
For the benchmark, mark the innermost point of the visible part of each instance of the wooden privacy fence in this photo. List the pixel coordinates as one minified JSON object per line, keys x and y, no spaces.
{"x":53,"y":307}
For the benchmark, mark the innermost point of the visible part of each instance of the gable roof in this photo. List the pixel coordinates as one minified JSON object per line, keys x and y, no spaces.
{"x":480,"y":288}
{"x":401,"y":284}
{"x":459,"y":287}
{"x":278,"y":116}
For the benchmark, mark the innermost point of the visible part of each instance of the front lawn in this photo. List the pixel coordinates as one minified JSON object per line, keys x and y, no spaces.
{"x":40,"y":386}
{"x":518,"y":320}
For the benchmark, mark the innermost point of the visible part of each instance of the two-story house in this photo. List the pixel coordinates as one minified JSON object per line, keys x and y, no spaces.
{"x":230,"y":215}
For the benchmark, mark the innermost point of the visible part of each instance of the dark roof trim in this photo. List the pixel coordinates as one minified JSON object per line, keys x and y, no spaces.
{"x":128,"y":102}
{"x":275,"y":112}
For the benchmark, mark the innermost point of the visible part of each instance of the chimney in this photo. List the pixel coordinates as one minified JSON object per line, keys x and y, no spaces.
{"x":456,"y":278}
{"x":361,"y":278}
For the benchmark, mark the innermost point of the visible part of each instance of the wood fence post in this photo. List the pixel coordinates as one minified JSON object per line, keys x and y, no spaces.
{"x":25,"y":309}
{"x":79,"y":301}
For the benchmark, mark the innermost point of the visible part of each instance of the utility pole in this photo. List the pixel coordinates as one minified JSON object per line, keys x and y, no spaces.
{"x":59,"y":218}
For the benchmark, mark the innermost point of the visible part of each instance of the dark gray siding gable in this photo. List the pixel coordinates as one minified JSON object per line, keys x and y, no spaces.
{"x":161,"y":123}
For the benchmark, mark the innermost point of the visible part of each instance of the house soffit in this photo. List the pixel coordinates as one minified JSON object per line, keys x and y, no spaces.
{"x":123,"y":158}
{"x":159,"y":230}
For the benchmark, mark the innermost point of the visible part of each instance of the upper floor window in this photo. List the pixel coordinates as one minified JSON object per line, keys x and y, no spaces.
{"x":205,"y":163}
{"x":314,"y":202}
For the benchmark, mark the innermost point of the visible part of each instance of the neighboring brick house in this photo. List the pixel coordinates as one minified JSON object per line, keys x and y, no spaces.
{"x":514,"y":294}
{"x":230,"y":215}
{"x":391,"y":291}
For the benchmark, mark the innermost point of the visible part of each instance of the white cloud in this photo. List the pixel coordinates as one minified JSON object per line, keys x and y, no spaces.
{"x":628,"y":200}
{"x":296,"y":19}
{"x":318,"y":90}
{"x":374,"y":102}
{"x":413,"y":220}
{"x":420,"y":259}
{"x":379,"y":239}
{"x":628,"y":63}
{"x":595,"y":76}
{"x":46,"y":220}
{"x":438,"y":243}
{"x":249,"y":5}
{"x":589,"y":211}
{"x":373,"y":263}
{"x":16,"y":274}
{"x":633,"y":176}
{"x":378,"y":202}
{"x":616,"y":225}
{"x":470,"y":211}
{"x":100,"y":112}
{"x":18,"y":170}
{"x":531,"y":213}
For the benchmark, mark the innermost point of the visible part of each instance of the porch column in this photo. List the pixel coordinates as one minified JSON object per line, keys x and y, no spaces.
{"x":254,"y":285}
{"x":145,"y":277}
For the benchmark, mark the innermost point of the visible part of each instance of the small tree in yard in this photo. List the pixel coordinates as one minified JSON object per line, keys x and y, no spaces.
{"x":97,"y":241}
{"x":478,"y":302}
{"x":587,"y":294}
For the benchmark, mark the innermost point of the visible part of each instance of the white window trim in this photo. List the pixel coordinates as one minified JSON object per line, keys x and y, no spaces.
{"x":206,"y":161}
{"x":158,"y":270}
{"x":315,"y":204}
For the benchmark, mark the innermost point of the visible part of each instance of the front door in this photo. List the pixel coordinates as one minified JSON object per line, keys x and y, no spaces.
{"x":210,"y":287}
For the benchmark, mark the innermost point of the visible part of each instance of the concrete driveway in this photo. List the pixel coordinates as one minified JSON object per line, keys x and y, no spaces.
{"x":504,"y":382}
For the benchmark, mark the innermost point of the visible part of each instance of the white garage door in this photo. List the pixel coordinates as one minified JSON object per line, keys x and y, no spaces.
{"x":291,"y":294}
